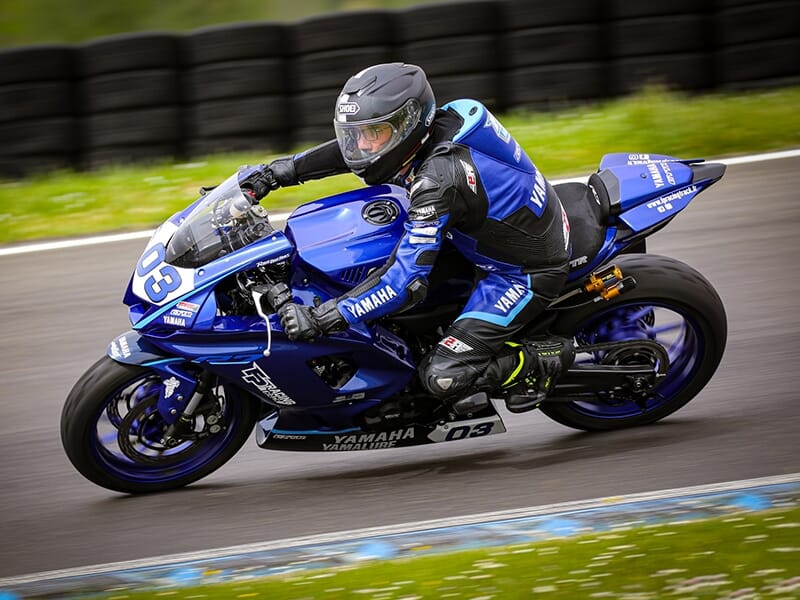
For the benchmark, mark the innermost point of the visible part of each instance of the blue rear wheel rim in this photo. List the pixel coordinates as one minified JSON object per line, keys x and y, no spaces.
{"x":673,"y":327}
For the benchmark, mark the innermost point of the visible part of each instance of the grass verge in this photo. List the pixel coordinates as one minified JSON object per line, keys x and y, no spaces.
{"x":566,"y":142}
{"x":742,"y":556}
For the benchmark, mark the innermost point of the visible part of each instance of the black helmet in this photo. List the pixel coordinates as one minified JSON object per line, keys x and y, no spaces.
{"x":383,"y":115}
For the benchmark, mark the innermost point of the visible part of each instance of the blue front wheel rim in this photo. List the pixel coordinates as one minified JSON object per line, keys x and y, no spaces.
{"x":141,"y":457}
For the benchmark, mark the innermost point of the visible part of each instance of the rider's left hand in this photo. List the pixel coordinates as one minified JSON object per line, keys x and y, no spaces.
{"x":298,"y":322}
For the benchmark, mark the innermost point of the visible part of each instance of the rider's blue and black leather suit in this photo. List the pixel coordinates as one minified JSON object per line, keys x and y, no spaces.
{"x":471,"y":184}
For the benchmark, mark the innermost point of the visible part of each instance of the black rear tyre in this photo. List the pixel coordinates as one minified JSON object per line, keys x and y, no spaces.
{"x":673,"y":305}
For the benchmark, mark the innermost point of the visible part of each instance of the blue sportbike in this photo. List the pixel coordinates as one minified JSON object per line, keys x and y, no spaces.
{"x":206,"y":360}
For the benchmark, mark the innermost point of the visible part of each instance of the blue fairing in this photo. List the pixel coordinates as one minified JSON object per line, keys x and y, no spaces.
{"x":197,"y":308}
{"x":186,"y":330}
{"x":645,"y":191}
{"x":646,"y":176}
{"x":332,"y":236}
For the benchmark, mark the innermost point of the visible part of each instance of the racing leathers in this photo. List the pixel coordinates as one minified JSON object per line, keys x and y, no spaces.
{"x":471,"y":185}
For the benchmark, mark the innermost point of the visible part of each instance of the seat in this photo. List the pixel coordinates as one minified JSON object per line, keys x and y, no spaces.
{"x":587,"y":212}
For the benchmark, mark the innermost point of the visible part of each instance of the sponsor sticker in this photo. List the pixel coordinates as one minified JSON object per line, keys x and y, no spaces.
{"x":511,"y":296}
{"x":655,"y":175}
{"x":369,"y":441}
{"x":422,"y":213}
{"x":538,"y":193}
{"x":565,"y":228}
{"x":256,"y":377}
{"x":470,"y":174}
{"x":668,"y":172}
{"x":423,"y":235}
{"x":577,"y":262}
{"x":372,"y":301}
{"x":455,"y":344}
{"x":170,"y":385}
{"x":429,"y":116}
{"x":348,"y":108}
{"x":120,"y":349}
{"x":174,"y":321}
{"x":499,"y":130}
{"x":664,"y":204}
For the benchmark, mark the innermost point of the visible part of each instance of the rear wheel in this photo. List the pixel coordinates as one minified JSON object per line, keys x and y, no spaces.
{"x":672,"y":305}
{"x":114,"y":435}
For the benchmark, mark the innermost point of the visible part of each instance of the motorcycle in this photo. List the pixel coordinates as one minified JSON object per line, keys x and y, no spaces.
{"x":206,"y":360}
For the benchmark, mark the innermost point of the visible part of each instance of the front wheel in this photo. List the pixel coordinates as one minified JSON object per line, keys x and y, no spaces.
{"x":672,"y":305}
{"x":113,"y":434}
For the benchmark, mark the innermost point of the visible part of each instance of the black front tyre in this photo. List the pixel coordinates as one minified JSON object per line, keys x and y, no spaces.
{"x":113,"y":434}
{"x":673,"y":305}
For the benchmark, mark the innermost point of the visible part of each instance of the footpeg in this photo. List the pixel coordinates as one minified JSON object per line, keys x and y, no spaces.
{"x":520,"y":403}
{"x":471,"y":404}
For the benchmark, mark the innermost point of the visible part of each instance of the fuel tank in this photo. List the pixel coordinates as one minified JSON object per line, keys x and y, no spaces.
{"x":347,"y":235}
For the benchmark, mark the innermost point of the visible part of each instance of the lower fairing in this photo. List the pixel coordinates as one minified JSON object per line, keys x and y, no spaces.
{"x":271,"y":437}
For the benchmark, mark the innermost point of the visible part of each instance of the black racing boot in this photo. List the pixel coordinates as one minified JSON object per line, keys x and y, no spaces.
{"x":542,"y":362}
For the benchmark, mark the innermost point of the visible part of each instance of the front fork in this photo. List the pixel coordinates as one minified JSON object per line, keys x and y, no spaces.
{"x":180,"y":392}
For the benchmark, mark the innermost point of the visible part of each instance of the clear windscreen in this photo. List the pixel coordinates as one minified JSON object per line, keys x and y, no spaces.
{"x":222,"y":221}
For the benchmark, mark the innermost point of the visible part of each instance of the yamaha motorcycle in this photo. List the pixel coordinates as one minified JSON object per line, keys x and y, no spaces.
{"x":207,"y":361}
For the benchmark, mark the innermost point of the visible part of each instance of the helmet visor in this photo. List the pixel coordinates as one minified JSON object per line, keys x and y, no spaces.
{"x":364,"y":142}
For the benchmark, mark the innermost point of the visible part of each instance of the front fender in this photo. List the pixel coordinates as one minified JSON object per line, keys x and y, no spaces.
{"x":131,"y":348}
{"x":178,"y":382}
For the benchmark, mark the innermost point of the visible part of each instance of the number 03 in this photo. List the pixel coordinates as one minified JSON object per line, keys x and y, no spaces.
{"x":166,"y":279}
{"x":465,"y":431}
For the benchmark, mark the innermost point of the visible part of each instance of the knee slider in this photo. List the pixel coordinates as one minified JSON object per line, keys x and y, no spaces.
{"x":443,"y":377}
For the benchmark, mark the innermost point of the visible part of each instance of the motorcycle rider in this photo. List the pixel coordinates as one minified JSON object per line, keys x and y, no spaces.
{"x":469,"y":182}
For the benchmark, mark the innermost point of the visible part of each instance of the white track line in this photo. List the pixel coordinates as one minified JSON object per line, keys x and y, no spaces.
{"x":368,"y":532}
{"x":122,"y":237}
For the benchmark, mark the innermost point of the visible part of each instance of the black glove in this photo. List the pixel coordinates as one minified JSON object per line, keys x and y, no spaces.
{"x":260,"y":183}
{"x":304,"y":323}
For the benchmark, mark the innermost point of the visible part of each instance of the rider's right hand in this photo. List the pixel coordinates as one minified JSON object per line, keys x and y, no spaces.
{"x":260,"y":183}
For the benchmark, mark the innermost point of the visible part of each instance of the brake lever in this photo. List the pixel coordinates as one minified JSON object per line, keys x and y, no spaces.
{"x":276,"y":296}
{"x":257,"y":296}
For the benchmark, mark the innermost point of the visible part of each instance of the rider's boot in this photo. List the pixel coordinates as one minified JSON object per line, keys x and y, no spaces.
{"x":474,"y":403}
{"x":527,"y":371}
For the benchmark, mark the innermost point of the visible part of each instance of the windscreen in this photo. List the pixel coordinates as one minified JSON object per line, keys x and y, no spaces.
{"x":221,"y":222}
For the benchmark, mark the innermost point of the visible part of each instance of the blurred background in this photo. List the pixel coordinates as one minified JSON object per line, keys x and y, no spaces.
{"x":36,"y":21}
{"x":86,"y":84}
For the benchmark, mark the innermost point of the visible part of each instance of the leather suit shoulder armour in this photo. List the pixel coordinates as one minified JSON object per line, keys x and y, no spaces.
{"x":484,"y":134}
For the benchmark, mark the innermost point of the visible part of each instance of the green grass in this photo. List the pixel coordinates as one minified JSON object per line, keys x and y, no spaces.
{"x":28,"y":22}
{"x":744,"y":555}
{"x":565,"y":142}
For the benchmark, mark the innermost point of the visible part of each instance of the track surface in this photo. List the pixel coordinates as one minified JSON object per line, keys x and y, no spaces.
{"x":59,"y":309}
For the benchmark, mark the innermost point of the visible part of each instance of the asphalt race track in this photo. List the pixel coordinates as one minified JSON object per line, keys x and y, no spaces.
{"x":59,"y":309}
